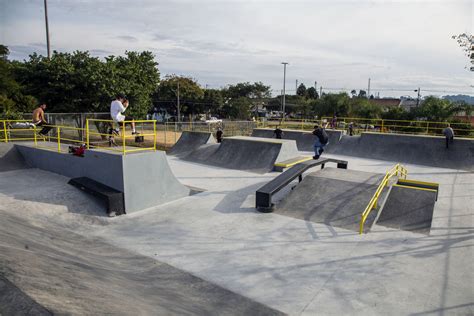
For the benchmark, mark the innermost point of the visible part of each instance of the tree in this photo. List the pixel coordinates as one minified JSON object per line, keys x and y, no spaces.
{"x":213,"y":101}
{"x":437,"y":110}
{"x":256,"y":90}
{"x":13,"y":101}
{"x":238,"y":108}
{"x":362,"y":94}
{"x":311,"y":93}
{"x":466,"y":42}
{"x":190,"y":93}
{"x":301,"y":91}
{"x":331,"y":104}
{"x":363,"y":108}
{"x":353,"y":93}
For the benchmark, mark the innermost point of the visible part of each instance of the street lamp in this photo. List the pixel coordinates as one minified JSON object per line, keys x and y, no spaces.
{"x":284,"y":83}
{"x":419,"y":95}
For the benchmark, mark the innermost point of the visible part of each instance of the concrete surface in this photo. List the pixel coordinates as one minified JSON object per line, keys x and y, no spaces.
{"x":10,"y":158}
{"x":14,"y":302}
{"x":144,"y":177}
{"x":190,"y":141}
{"x":245,"y":153}
{"x":408,"y":209}
{"x":294,"y":266}
{"x":335,"y":197}
{"x":416,"y":149}
{"x":72,"y":274}
{"x":304,"y":139}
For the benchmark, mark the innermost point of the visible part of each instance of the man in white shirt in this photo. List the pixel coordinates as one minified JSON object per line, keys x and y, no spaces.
{"x":117,"y":107}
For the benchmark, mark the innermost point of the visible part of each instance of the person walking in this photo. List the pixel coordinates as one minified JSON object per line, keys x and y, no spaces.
{"x":278,"y":132}
{"x":322,"y":139}
{"x":449,"y":134}
{"x":219,"y":134}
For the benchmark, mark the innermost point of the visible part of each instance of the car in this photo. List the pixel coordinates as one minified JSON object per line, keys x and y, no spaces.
{"x":213,"y":120}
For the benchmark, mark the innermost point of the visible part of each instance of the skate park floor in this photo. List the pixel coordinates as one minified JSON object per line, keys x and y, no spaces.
{"x":59,"y":249}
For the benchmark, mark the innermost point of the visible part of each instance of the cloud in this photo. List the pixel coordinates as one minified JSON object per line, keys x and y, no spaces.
{"x":127,"y":38}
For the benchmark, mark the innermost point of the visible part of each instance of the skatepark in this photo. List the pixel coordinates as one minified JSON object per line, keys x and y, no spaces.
{"x":380,"y":224}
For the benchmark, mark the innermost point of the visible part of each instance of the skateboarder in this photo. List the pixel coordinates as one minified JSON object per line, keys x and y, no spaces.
{"x":321,"y":140}
{"x":219,"y":135}
{"x":39,"y":120}
{"x":449,"y":134}
{"x":117,"y":107}
{"x":351,"y":128}
{"x":278,"y":132}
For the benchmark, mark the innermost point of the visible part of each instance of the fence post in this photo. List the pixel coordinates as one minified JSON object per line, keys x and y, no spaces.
{"x":166,"y":132}
{"x":427,"y":128}
{"x":59,"y":138}
{"x":123,"y":137}
{"x":154,"y":135}
{"x":87,"y":133}
{"x":382,"y":130}
{"x":5,"y":131}
{"x":34,"y":135}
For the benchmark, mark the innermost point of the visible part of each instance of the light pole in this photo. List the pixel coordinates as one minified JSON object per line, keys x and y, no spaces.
{"x":284,"y":83}
{"x":419,"y":95}
{"x":47,"y":28}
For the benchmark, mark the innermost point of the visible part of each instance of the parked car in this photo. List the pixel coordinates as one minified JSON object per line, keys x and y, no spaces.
{"x":213,"y":120}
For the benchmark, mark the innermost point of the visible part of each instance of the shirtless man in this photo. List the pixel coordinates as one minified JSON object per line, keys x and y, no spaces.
{"x":39,"y":120}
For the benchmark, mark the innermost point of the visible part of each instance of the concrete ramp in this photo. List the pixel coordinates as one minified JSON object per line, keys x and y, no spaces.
{"x":415,"y":149}
{"x":408,"y":208}
{"x":304,"y":139}
{"x":10,"y":158}
{"x":245,"y":153}
{"x":190,"y":141}
{"x":335,"y":197}
{"x":145,"y":178}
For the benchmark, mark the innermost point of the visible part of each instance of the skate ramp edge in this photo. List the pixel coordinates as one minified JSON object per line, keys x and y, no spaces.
{"x":252,"y":154}
{"x":145,"y":178}
{"x":10,"y":158}
{"x":331,"y":196}
{"x":190,"y":141}
{"x":304,"y":139}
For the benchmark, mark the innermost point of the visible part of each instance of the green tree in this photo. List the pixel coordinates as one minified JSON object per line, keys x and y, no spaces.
{"x":239,"y":108}
{"x":363,"y":108}
{"x":466,"y":42}
{"x":213,"y":101}
{"x":362,"y":94}
{"x":301,"y":91}
{"x":190,"y":93}
{"x":331,"y":104}
{"x":435,"y":109}
{"x":311,"y":93}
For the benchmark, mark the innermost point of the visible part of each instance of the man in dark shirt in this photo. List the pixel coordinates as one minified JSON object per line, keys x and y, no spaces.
{"x":219,"y":133}
{"x":278,"y":132}
{"x":321,"y":140}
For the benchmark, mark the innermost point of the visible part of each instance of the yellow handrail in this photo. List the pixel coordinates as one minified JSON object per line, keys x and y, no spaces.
{"x":397,"y":170}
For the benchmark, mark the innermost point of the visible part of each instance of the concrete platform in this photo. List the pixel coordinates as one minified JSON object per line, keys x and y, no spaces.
{"x":335,"y":197}
{"x":190,"y":141}
{"x":286,"y":264}
{"x":253,"y":154}
{"x":408,"y":209}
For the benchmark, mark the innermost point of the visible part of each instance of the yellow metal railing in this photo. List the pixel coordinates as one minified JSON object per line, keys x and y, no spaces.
{"x":67,"y":134}
{"x":465,"y":129}
{"x":398,"y":171}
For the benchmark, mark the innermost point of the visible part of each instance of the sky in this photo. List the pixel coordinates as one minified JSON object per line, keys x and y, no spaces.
{"x":400,"y":45}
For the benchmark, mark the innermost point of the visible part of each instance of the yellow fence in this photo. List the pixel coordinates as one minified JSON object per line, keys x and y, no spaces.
{"x":398,"y":171}
{"x":377,"y":125}
{"x":94,"y":135}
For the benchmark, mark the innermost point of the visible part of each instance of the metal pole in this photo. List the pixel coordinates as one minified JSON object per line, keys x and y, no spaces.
{"x":419,"y":95}
{"x":296,"y":90}
{"x":368,"y":90}
{"x":320,"y":91}
{"x":179,"y":111}
{"x":47,"y":28}
{"x":284,"y":87}
{"x":59,"y":138}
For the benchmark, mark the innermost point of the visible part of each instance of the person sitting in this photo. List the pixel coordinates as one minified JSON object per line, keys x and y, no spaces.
{"x":278,"y":132}
{"x":117,"y":107}
{"x":39,"y":120}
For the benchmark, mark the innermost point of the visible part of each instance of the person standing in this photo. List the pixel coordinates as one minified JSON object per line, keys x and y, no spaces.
{"x":334,"y":122}
{"x":351,"y":128}
{"x":39,"y":120}
{"x":322,"y":139}
{"x":219,"y":134}
{"x":278,"y":132}
{"x":449,"y":134}
{"x":117,"y":107}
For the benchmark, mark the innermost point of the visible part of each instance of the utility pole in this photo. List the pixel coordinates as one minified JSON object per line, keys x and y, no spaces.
{"x":296,"y":90}
{"x":284,"y":83}
{"x":320,"y":91}
{"x":368,"y":90}
{"x":179,"y":111}
{"x":316,"y":86}
{"x":47,"y":28}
